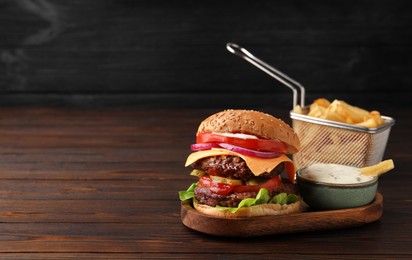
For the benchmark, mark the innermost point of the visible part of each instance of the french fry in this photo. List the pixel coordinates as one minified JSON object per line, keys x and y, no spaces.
{"x":371,"y":120}
{"x":298,"y":109}
{"x":369,"y":123}
{"x":355,"y":113}
{"x":323,"y":102}
{"x":378,"y":169}
{"x":317,"y":111}
{"x":349,"y":120}
{"x":336,"y":112}
{"x":377,"y":116}
{"x":340,"y":111}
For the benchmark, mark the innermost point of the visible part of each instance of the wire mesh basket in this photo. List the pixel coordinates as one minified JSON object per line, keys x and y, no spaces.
{"x":325,"y":141}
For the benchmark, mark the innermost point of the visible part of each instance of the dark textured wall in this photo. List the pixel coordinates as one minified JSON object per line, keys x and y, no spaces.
{"x":172,"y":53}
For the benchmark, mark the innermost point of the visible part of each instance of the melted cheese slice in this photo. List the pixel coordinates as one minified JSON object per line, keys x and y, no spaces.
{"x":256,"y":165}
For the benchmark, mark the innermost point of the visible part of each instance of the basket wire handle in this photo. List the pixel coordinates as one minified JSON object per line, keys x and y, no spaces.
{"x":281,"y":77}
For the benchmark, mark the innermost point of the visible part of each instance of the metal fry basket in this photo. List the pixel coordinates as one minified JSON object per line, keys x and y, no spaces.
{"x":325,"y":141}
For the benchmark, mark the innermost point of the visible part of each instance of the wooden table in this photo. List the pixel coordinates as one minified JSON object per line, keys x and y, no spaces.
{"x":103,"y":183}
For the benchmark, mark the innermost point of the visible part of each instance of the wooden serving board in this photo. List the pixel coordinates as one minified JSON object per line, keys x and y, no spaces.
{"x":291,"y":223}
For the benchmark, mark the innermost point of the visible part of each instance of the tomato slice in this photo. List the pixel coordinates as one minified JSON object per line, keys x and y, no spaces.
{"x":216,"y":187}
{"x":254,"y":144}
{"x":226,"y":189}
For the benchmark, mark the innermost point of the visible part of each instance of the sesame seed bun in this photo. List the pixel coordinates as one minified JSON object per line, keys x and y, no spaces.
{"x":251,"y":122}
{"x":252,"y":211}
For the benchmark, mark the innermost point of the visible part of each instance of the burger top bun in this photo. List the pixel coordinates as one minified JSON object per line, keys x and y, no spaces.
{"x":251,"y":122}
{"x":252,"y":211}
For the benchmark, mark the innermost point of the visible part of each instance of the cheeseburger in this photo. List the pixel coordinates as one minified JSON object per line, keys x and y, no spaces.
{"x":239,"y":159}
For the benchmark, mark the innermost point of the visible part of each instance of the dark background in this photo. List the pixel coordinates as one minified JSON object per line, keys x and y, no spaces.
{"x":95,"y":53}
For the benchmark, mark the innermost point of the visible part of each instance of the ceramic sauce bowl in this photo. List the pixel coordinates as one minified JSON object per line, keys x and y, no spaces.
{"x":332,"y":186}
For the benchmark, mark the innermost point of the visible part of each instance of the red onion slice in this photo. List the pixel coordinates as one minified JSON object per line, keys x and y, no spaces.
{"x":250,"y":152}
{"x":203,"y":146}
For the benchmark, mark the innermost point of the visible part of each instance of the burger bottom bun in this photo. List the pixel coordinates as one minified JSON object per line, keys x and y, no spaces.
{"x":252,"y":211}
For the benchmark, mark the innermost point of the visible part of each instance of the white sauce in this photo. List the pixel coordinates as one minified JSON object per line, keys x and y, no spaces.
{"x":238,"y":135}
{"x":334,"y":173}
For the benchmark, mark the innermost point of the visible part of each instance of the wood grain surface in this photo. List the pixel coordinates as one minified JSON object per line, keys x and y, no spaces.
{"x":103,"y":183}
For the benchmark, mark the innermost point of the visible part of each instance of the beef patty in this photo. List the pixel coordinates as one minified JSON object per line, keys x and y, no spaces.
{"x":232,"y":167}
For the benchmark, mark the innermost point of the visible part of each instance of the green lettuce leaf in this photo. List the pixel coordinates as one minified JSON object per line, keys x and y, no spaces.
{"x":283,"y":198}
{"x":189,"y":193}
{"x":261,"y":198}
